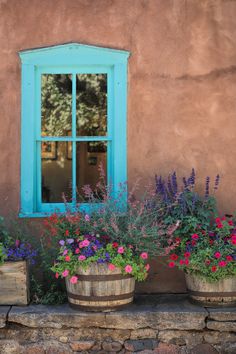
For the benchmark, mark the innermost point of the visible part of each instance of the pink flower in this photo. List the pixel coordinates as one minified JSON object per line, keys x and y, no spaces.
{"x":144,"y":255}
{"x":181,"y":262}
{"x":74,"y":279}
{"x":77,"y":251}
{"x":65,"y":252}
{"x":87,"y":217}
{"x":233,"y":237}
{"x":121,"y":250}
{"x":81,"y":244}
{"x":186,"y":261}
{"x":57,"y":275}
{"x":187,"y":254}
{"x":195,"y":237}
{"x":65,"y":273}
{"x":217,"y":255}
{"x":81,"y":258}
{"x":67,"y":258}
{"x":233,"y":241}
{"x":128,"y":269}
{"x":217,"y":220}
{"x":220,"y":225}
{"x":86,"y":243}
{"x":111,"y":266}
{"x":17,"y":243}
{"x":147,"y":267}
{"x":171,"y":264}
{"x":222,"y":264}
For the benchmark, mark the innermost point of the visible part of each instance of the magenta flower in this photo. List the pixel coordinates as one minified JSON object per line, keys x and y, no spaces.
{"x":86,"y":243}
{"x":65,"y":252}
{"x":222,"y":263}
{"x":217,"y":254}
{"x":171,"y":264}
{"x":144,"y":255}
{"x":128,"y":269}
{"x":181,"y":262}
{"x":74,"y":279}
{"x":121,"y":250}
{"x":81,"y":258}
{"x":65,"y":273}
{"x":195,"y":237}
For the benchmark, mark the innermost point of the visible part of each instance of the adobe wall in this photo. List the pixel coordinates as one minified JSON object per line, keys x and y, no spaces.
{"x":182,"y":81}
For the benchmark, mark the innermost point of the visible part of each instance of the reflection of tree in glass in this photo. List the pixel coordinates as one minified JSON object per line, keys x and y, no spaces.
{"x":91,"y":104}
{"x":56,"y":104}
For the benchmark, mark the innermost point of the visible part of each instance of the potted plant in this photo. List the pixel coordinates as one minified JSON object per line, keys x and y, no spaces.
{"x":208,"y":259}
{"x":101,"y":253}
{"x":15,"y":255}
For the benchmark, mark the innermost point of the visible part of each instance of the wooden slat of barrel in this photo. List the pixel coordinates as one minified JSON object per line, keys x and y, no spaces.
{"x":95,"y":292}
{"x":222,"y":292}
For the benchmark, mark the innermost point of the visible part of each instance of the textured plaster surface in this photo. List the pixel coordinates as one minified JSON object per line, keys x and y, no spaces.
{"x":182,"y":83}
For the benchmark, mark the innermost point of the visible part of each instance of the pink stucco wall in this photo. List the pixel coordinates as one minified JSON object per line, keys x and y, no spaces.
{"x":182,"y":81}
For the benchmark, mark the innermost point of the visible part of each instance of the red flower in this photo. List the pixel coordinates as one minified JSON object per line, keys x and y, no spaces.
{"x":214,"y":269}
{"x":67,"y":233}
{"x":67,"y":258}
{"x":177,"y":239}
{"x":186,"y":261}
{"x":187,"y":254}
{"x":230,"y":222}
{"x":222,"y":263}
{"x":195,"y":237}
{"x":229,"y":258}
{"x":217,"y":220}
{"x":173,"y":257}
{"x":171,"y":264}
{"x":233,"y":241}
{"x":217,"y":254}
{"x":115,"y":244}
{"x":181,"y":262}
{"x":193,"y":243}
{"x":220,"y":225}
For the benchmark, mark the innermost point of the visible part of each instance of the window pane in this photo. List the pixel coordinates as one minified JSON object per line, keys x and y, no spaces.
{"x":56,"y":104}
{"x":91,"y":104}
{"x":56,"y":171}
{"x":90,"y":157}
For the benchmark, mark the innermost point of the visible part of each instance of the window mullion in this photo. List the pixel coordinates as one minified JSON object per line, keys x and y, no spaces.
{"x":73,"y":137}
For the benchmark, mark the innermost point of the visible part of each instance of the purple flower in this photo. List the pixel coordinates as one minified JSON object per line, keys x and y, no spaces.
{"x":62,"y":242}
{"x":70,"y":240}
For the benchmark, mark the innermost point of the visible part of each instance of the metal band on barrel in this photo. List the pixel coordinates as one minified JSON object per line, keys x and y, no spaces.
{"x":107,"y":277}
{"x":100,"y":298}
{"x":212,"y":294}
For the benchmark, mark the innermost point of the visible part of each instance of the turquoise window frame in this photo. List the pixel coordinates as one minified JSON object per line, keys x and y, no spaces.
{"x":73,"y":59}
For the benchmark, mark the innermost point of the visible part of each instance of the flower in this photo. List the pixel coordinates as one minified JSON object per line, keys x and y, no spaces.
{"x":217,"y":254}
{"x":65,"y":252}
{"x":218,"y":220}
{"x":233,"y":241}
{"x":186,"y":261}
{"x":115,"y":244}
{"x":187,"y":254}
{"x":181,"y":262}
{"x":147,"y":267}
{"x":229,"y":258}
{"x":174,"y":257}
{"x":111,"y":266}
{"x":213,"y":269}
{"x":74,"y":279}
{"x":77,"y":250}
{"x":171,"y":264}
{"x":220,"y":226}
{"x":62,"y":242}
{"x":230,"y":222}
{"x":207,"y":262}
{"x":86,"y":243}
{"x":70,"y":240}
{"x":67,"y":233}
{"x":81,"y":258}
{"x":222,"y":263}
{"x":57,"y":275}
{"x":87,"y":217}
{"x":67,"y":258}
{"x":195,"y":237}
{"x":65,"y":273}
{"x":121,"y":250}
{"x":128,"y":269}
{"x":144,"y":255}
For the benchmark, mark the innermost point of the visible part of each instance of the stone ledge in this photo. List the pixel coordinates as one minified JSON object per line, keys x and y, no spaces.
{"x":157,"y":312}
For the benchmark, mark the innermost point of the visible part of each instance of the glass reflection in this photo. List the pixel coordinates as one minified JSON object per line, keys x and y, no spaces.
{"x":91,"y":104}
{"x":56,"y":104}
{"x":56,"y":171}
{"x":88,"y":163}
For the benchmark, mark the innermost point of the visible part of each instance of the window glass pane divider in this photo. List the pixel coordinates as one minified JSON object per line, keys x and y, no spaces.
{"x":85,"y":138}
{"x":96,"y":69}
{"x":73,"y":134}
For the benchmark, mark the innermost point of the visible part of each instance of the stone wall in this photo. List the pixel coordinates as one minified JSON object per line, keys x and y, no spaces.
{"x":153,"y":324}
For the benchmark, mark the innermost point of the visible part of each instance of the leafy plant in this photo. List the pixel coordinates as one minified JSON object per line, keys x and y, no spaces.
{"x":210,"y":253}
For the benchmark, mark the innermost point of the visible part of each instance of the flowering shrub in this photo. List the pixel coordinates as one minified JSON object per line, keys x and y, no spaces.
{"x":2,"y":254}
{"x":82,"y":250}
{"x":208,"y":253}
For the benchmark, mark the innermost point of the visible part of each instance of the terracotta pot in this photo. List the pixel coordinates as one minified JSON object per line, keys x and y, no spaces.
{"x":220,"y":293}
{"x":100,"y":289}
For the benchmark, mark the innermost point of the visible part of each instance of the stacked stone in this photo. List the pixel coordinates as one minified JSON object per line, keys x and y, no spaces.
{"x":160,"y":325}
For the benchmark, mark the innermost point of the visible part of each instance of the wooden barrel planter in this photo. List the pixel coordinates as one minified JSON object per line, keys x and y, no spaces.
{"x":100,"y":289}
{"x":14,"y":283}
{"x":221,"y":293}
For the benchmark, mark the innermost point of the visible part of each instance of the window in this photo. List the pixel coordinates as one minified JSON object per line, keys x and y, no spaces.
{"x":73,"y":119}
